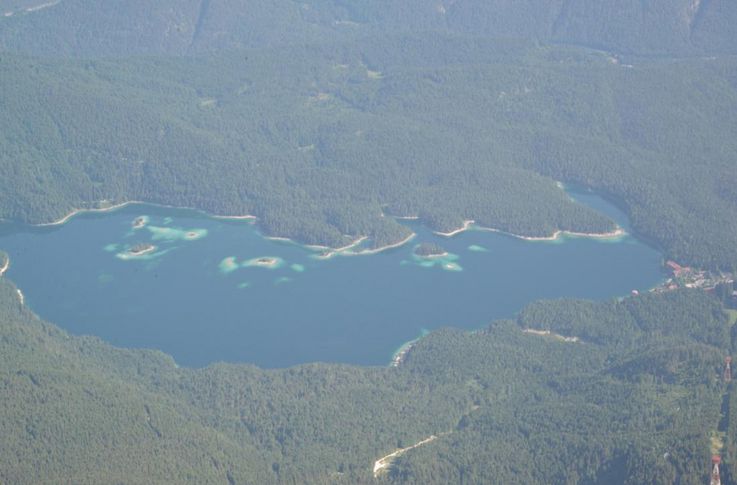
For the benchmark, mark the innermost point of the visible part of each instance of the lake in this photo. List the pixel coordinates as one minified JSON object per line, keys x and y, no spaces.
{"x":215,"y":290}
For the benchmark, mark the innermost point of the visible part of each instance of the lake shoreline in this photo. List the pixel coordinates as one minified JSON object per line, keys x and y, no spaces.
{"x":75,"y":212}
{"x":121,"y":205}
{"x":409,"y":296}
{"x":269,"y":301}
{"x":330,"y":251}
{"x":401,"y":354}
{"x":365,"y":252}
{"x":558,"y":234}
{"x":467,"y":224}
{"x":6,"y":266}
{"x":232,"y":218}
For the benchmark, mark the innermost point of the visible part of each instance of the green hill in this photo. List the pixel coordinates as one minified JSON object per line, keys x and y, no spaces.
{"x":324,"y":118}
{"x":503,"y":404}
{"x":88,"y":28}
{"x":319,"y":142}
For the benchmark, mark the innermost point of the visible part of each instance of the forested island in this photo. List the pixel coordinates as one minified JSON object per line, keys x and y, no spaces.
{"x":429,"y":250}
{"x":141,"y":249}
{"x":139,"y":222}
{"x":265,"y":261}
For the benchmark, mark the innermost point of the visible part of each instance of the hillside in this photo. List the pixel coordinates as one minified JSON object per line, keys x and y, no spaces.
{"x":85,"y":28}
{"x":501,"y":401}
{"x":330,"y":120}
{"x":321,"y":142}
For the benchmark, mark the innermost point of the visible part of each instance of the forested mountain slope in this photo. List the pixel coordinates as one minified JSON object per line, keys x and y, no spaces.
{"x":321,"y":142}
{"x":90,"y":28}
{"x":325,"y":118}
{"x":637,"y":399}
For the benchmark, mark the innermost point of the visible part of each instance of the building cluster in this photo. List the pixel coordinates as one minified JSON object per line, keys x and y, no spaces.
{"x":686,"y":277}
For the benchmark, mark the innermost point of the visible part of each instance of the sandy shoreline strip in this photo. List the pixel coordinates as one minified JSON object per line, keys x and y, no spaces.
{"x":73,"y":213}
{"x":468,"y":224}
{"x":465,"y":227}
{"x":235,"y":218}
{"x":402,"y":352}
{"x":278,"y":238}
{"x":5,"y":265}
{"x":21,"y":298}
{"x":384,"y":248}
{"x":330,"y":252}
{"x":67,"y":217}
{"x":618,"y":232}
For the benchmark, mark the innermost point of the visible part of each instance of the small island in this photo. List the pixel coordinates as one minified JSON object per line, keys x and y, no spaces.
{"x":141,"y":249}
{"x":429,"y":250}
{"x":140,"y":222}
{"x":265,"y":262}
{"x":194,"y":234}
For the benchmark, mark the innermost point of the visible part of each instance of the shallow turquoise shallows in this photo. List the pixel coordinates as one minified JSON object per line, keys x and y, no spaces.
{"x":207,"y":290}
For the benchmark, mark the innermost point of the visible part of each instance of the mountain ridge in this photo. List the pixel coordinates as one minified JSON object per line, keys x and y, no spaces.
{"x":82,"y":28}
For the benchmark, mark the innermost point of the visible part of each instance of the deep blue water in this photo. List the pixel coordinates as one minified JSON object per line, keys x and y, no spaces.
{"x":187,"y":299}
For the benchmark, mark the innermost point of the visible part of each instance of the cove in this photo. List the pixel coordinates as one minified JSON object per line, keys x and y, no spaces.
{"x":206,"y":290}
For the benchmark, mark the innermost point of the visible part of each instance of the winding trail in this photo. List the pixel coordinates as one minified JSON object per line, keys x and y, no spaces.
{"x":548,"y":333}
{"x":383,"y":463}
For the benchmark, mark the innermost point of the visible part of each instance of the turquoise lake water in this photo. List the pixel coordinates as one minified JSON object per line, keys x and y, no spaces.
{"x":203,"y":297}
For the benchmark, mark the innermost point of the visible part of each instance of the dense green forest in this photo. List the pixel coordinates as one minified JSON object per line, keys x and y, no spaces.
{"x":321,"y":142}
{"x":89,"y":28}
{"x":322,"y":117}
{"x":326,"y":118}
{"x":633,"y":401}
